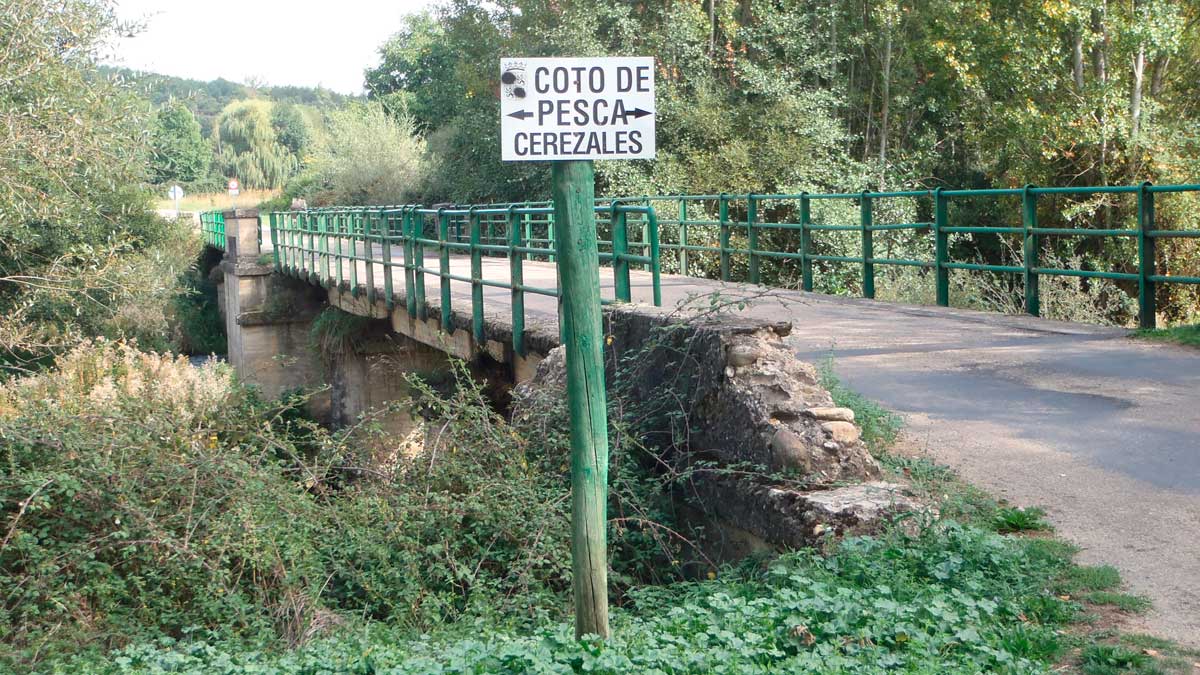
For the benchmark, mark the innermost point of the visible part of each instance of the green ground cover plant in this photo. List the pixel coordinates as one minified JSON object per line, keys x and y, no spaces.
{"x":1183,"y":335}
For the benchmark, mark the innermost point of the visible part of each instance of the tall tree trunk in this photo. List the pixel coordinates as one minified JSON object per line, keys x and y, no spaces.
{"x":885,"y":101}
{"x":1135,"y":98}
{"x":712,"y":28}
{"x":1099,"y":53}
{"x":1077,"y":60}
{"x":1159,"y":79}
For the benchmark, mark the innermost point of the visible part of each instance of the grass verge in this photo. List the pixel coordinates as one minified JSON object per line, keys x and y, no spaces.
{"x":1088,"y":644}
{"x":1180,"y":335}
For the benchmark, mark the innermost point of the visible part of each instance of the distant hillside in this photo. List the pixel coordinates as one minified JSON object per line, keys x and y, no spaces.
{"x":207,"y":99}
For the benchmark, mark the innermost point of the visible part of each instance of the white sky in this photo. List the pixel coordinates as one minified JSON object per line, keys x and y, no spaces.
{"x":297,"y":42}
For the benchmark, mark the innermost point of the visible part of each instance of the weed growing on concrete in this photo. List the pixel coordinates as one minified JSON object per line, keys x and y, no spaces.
{"x":1013,"y":519}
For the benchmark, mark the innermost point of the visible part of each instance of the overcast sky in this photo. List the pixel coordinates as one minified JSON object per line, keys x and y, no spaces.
{"x":299,"y":42}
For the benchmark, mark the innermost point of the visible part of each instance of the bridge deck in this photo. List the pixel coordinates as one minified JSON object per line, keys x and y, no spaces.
{"x":1101,"y":430}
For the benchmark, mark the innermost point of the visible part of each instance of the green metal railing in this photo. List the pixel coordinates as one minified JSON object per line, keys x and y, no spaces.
{"x":212,"y":228}
{"x":734,"y":237}
{"x":370,"y":251}
{"x":751,"y":217}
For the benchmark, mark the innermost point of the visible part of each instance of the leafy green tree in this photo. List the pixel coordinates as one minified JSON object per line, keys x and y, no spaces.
{"x":291,"y":129}
{"x":247,"y":147}
{"x":370,"y":158}
{"x":179,"y":153}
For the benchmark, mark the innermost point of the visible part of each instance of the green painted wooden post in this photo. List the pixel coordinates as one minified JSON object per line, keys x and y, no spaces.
{"x":386,"y":246}
{"x":941,"y":249}
{"x":806,"y":267}
{"x":444,"y":269}
{"x":752,"y":236}
{"x":573,"y":185}
{"x":683,"y":237}
{"x":723,"y":237}
{"x":476,"y":278}
{"x":868,"y":246}
{"x":1030,"y":247}
{"x":1147,"y":258}
{"x":516,"y":279}
{"x":620,"y":248}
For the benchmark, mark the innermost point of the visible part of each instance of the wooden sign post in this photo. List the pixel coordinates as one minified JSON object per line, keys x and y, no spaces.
{"x":569,"y":112}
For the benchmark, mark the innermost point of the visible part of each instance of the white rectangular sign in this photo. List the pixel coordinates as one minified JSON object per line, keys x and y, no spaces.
{"x":569,"y":108}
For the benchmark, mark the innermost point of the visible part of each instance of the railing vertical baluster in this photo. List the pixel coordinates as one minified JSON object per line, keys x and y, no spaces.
{"x":353,"y":225}
{"x":752,"y":236}
{"x":1147,"y":259}
{"x":620,"y":248}
{"x":1030,"y":250}
{"x":941,"y":249}
{"x":339,"y":221}
{"x":443,"y":225}
{"x":516,"y":279}
{"x":369,"y":254}
{"x":418,"y":233}
{"x":271,"y":218}
{"x":386,"y":245}
{"x":655,"y":259}
{"x":683,"y":237}
{"x":476,"y":279}
{"x":326,"y":262}
{"x":407,"y":215}
{"x":723,"y":236}
{"x":806,"y":263}
{"x":868,"y":245}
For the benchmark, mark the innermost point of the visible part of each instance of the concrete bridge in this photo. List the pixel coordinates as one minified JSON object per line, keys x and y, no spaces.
{"x":1102,"y":430}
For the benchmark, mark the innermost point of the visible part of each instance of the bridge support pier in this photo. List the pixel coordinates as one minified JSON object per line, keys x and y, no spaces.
{"x":267,"y":317}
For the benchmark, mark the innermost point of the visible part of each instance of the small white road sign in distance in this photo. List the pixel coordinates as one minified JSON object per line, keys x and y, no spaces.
{"x":576,"y":108}
{"x":234,"y":187}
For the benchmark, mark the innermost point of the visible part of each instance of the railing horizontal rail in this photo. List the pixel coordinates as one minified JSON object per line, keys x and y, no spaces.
{"x":727,"y":236}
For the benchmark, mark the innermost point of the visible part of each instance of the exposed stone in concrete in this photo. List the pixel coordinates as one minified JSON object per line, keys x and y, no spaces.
{"x":842,"y":432}
{"x":831,"y":414}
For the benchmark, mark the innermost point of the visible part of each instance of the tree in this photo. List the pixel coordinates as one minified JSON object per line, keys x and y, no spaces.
{"x":371,"y":158}
{"x":247,"y":147}
{"x":179,"y":153}
{"x":291,"y":129}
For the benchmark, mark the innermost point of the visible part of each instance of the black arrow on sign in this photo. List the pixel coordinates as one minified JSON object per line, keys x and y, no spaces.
{"x":521,"y":114}
{"x":638,"y":112}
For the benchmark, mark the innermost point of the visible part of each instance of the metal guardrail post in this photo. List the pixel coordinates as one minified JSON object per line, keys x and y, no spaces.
{"x":476,"y":278}
{"x":1147,"y":259}
{"x":326,"y":265}
{"x":444,"y":270}
{"x":941,"y":249}
{"x":417,"y":229}
{"x":385,"y":245}
{"x":516,"y":279}
{"x":410,"y":277}
{"x":274,"y":241}
{"x":655,"y":259}
{"x":369,"y":220}
{"x":683,"y":238}
{"x":752,"y":236}
{"x":723,"y":236}
{"x":620,"y":249}
{"x":1030,"y":250}
{"x":806,"y":263}
{"x":868,"y":246}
